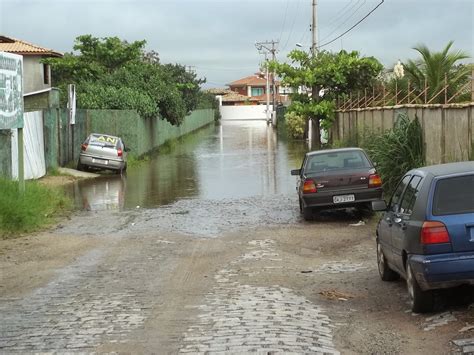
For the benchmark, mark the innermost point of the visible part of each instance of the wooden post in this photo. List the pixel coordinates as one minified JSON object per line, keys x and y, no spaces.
{"x":408,"y":94}
{"x":383,"y":99}
{"x":365,"y":97}
{"x":472,"y":85}
{"x":396,"y":92}
{"x":426,"y":91}
{"x":21,"y":161}
{"x":445,"y":88}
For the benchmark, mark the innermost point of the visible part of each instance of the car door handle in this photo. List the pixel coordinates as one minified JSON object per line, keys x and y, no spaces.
{"x":400,"y":222}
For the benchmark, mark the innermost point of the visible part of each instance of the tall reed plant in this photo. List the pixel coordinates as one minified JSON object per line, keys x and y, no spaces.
{"x":396,"y":151}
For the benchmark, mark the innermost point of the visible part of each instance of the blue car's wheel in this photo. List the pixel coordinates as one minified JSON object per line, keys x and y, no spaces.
{"x":421,"y":301}
{"x":385,"y":272}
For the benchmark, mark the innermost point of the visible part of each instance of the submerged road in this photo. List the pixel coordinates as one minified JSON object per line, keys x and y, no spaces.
{"x":201,"y":249}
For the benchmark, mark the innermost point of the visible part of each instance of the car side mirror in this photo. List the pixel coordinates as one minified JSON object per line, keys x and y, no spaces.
{"x":296,"y":172}
{"x":379,"y":205}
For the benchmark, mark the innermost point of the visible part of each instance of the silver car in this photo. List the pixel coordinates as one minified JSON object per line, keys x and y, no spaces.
{"x":102,"y":151}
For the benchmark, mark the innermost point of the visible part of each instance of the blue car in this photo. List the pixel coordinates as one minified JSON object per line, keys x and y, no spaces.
{"x":426,"y":233}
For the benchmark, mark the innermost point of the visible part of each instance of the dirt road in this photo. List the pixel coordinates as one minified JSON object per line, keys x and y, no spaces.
{"x":210,"y":276}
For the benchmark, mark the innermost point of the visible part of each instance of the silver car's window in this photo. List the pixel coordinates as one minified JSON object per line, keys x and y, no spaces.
{"x":337,"y":161}
{"x":454,"y":196}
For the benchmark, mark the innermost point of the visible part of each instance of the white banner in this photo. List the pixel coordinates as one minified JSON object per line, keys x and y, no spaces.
{"x":11,"y":91}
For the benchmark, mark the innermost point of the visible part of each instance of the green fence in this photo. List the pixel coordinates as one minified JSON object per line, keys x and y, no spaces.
{"x":5,"y":154}
{"x":62,"y":141}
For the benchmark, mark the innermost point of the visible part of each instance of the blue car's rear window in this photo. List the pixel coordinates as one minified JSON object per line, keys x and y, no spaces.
{"x":454,"y":196}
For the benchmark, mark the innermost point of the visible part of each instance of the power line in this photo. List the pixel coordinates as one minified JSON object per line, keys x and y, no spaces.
{"x":346,"y":20}
{"x":354,"y":26}
{"x":284,"y":20}
{"x":224,"y":69}
{"x":344,"y":11}
{"x":292,"y":26}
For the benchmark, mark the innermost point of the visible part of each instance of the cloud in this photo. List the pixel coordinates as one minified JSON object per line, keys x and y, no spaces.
{"x":218,"y":36}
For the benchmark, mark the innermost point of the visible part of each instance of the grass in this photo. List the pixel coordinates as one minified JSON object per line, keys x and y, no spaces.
{"x":38,"y":207}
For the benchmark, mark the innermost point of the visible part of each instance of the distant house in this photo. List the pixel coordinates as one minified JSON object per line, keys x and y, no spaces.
{"x":36,"y":75}
{"x":228,"y":97}
{"x":254,"y":88}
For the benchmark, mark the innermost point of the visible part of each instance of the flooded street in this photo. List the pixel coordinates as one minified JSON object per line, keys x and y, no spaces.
{"x":201,"y":249}
{"x":235,"y":159}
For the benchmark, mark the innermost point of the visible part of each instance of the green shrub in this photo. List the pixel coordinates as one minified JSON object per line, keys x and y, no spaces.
{"x":396,"y":151}
{"x":37,"y":207}
{"x":296,"y":124}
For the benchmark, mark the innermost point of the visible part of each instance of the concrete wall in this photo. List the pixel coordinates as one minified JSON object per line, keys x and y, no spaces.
{"x":447,"y":129}
{"x":250,"y":112}
{"x":63,"y":141}
{"x":41,"y":101}
{"x":33,"y":79}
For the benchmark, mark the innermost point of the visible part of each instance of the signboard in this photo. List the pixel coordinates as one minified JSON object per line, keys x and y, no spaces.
{"x":11,"y":91}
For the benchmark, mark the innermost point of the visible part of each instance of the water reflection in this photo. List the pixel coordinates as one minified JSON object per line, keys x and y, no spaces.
{"x":106,"y":193}
{"x":230,"y":160}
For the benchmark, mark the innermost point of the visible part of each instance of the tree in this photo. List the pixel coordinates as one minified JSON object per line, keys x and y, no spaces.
{"x":318,"y":80}
{"x":113,"y":74}
{"x":432,"y":69}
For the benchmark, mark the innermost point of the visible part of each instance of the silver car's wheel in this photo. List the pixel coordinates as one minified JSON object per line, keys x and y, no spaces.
{"x":385,"y":272}
{"x":421,"y":301}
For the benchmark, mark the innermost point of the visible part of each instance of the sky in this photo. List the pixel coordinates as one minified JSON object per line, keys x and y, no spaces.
{"x":217,"y":37}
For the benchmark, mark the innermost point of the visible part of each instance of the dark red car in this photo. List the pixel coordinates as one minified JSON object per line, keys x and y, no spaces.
{"x":337,"y":178}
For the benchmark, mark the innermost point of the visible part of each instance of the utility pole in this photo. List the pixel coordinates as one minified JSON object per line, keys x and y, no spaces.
{"x":314,"y":133}
{"x":314,"y":29}
{"x":264,"y":48}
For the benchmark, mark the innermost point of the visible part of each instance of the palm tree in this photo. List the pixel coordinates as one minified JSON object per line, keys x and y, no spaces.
{"x":433,"y":68}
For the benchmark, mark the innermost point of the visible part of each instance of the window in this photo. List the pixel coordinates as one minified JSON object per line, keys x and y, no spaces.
{"x":394,"y":202}
{"x":454,"y":196}
{"x":46,"y":78}
{"x":409,"y":197}
{"x":257,"y":91}
{"x":354,"y":159}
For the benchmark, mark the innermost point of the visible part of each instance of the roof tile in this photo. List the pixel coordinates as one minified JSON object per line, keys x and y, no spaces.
{"x":12,"y":45}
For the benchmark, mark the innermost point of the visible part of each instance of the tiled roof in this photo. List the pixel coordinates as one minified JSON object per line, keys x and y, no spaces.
{"x":263,"y":98}
{"x":249,"y":80}
{"x":12,"y":45}
{"x":252,"y":80}
{"x":236,"y":97}
{"x":218,"y":91}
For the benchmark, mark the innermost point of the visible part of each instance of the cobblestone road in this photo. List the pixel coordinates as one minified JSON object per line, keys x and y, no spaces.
{"x":240,"y":318}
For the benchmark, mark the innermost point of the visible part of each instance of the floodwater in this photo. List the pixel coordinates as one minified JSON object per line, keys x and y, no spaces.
{"x":231,"y":160}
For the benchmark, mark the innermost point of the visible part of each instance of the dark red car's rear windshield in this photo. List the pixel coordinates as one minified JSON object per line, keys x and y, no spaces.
{"x":454,"y":196}
{"x":350,"y":159}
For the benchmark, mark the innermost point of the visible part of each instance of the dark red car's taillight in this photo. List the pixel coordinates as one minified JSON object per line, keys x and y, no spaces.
{"x":433,"y":232}
{"x":375,"y":180}
{"x":309,"y":186}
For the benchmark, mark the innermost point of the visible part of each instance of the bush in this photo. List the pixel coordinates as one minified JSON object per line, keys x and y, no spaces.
{"x":396,"y":151}
{"x":296,"y":124}
{"x":37,"y":207}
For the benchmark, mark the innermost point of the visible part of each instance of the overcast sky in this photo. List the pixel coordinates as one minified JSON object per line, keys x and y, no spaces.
{"x":218,"y":37}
